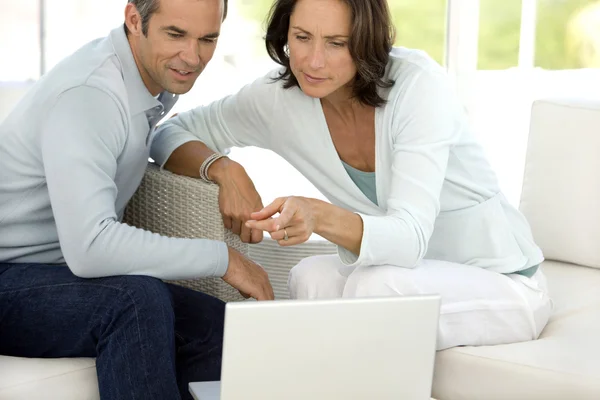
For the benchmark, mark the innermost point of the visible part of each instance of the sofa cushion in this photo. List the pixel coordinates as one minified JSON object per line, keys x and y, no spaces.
{"x":561,"y":186}
{"x":564,"y":363}
{"x":40,"y":378}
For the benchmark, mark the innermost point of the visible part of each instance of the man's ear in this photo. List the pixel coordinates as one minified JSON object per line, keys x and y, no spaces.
{"x":133,"y":20}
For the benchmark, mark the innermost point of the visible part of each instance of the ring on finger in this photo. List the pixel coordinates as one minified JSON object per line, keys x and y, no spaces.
{"x":285,"y":235}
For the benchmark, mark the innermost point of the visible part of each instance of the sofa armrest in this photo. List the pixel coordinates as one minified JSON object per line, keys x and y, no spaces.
{"x":278,"y":260}
{"x":178,"y":206}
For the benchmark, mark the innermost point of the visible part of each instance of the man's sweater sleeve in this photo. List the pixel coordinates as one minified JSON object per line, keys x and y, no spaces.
{"x":82,"y":140}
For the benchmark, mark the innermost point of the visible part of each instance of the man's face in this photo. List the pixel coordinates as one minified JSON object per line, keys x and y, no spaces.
{"x":181,"y":39}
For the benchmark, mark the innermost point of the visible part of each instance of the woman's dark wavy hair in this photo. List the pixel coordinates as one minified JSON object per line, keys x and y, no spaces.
{"x":371,"y":38}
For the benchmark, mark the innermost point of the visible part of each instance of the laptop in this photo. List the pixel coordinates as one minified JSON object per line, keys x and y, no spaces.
{"x":364,"y":348}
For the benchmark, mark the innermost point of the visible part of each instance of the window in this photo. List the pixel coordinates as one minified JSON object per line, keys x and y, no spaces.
{"x":19,"y":40}
{"x":19,"y":49}
{"x":568,"y":34}
{"x":72,"y":23}
{"x":503,"y":53}
{"x":499,"y":29}
{"x":528,"y":49}
{"x":421,"y":24}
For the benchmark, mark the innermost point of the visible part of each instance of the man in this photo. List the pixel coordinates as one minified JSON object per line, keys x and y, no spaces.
{"x":74,"y":281}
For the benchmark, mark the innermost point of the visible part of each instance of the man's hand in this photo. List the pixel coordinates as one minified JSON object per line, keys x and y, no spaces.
{"x":238,"y":198}
{"x":249,"y":278}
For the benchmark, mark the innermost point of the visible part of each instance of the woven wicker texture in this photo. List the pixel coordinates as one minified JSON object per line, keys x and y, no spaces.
{"x":278,"y":261}
{"x":179,"y":206}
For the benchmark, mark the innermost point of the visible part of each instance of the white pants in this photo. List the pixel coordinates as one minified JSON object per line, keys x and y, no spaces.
{"x":479,"y":307}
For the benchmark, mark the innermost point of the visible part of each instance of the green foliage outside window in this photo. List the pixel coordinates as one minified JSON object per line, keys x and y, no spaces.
{"x":568,"y":31}
{"x":561,"y":42}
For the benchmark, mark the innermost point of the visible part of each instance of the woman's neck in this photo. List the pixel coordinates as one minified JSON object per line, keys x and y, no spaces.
{"x":343,"y":104}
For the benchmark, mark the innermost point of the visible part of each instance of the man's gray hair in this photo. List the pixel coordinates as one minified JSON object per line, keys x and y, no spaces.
{"x":148,"y":7}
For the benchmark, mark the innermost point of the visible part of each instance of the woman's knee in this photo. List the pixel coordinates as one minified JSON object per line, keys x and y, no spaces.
{"x":316,"y":276}
{"x":385,"y":280}
{"x":310,"y":269}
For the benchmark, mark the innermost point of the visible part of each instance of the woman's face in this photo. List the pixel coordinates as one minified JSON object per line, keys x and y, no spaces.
{"x":318,"y":46}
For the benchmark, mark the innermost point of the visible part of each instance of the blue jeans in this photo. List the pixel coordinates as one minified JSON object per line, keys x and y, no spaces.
{"x":150,"y":339}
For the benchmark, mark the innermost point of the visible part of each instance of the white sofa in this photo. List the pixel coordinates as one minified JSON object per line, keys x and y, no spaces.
{"x":561,"y":199}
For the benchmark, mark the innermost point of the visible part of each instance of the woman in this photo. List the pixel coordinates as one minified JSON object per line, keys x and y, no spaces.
{"x":415,"y":206}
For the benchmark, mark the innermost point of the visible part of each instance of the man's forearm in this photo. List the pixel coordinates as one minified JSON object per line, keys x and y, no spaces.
{"x":187,"y":159}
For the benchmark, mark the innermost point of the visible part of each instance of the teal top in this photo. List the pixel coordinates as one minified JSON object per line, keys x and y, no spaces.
{"x":364,"y":180}
{"x":528,"y":272}
{"x":366,"y":183}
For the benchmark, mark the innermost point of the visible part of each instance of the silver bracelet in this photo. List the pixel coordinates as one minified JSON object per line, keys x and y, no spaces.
{"x":206,"y":165}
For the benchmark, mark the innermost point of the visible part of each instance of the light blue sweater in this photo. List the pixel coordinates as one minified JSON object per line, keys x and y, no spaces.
{"x":72,"y":153}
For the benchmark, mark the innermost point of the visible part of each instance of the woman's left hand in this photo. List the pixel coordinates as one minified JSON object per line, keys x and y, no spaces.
{"x":295,"y":224}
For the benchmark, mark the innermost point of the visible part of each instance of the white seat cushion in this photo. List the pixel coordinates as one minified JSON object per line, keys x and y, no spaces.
{"x":48,"y":379}
{"x":563,"y":364}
